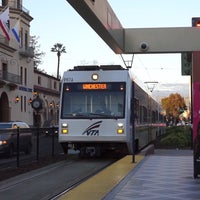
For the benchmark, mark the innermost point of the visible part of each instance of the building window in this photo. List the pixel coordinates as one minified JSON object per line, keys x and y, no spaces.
{"x":19,"y":5}
{"x":49,"y":83}
{"x":4,"y":2}
{"x":4,"y":71}
{"x":55,"y":85}
{"x":25,"y":76}
{"x":39,"y":80}
{"x":21,"y":75}
{"x":21,"y":103}
{"x":22,"y":37}
{"x":25,"y":103}
{"x":26,"y":40}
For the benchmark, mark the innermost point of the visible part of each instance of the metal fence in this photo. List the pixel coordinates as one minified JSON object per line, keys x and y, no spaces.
{"x":28,"y":144}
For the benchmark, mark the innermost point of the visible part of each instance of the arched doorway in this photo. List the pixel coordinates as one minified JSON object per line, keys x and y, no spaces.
{"x":4,"y":108}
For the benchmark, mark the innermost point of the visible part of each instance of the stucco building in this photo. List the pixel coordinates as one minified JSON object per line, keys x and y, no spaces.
{"x":20,"y":82}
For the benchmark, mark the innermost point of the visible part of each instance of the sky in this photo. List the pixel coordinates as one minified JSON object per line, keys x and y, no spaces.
{"x":57,"y":22}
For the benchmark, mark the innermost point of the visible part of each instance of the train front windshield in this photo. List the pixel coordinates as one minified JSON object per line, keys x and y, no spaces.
{"x":93,"y":100}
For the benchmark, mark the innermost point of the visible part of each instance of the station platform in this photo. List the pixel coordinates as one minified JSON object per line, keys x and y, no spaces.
{"x":166,"y":175}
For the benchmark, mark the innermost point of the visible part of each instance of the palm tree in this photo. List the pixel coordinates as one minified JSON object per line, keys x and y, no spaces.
{"x":59,"y":48}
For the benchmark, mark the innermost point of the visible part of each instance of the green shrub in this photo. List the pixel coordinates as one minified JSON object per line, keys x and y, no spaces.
{"x":176,"y":137}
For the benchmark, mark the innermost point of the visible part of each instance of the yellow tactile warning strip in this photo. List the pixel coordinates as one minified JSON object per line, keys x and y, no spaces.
{"x":99,"y":185}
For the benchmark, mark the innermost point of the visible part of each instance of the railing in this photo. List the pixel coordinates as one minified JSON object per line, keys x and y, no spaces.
{"x":29,"y":52}
{"x":28,"y":145}
{"x":16,"y":5}
{"x":10,"y":77}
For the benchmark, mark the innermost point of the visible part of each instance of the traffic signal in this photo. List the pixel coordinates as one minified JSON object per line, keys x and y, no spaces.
{"x":196,"y":22}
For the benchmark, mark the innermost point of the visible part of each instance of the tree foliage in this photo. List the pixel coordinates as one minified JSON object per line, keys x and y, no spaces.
{"x":59,"y":49}
{"x":173,"y":105}
{"x":37,"y":59}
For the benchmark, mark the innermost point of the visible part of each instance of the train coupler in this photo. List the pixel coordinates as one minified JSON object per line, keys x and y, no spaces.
{"x":90,"y":151}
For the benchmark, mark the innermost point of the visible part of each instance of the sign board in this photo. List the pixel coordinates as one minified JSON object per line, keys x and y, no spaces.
{"x":186,"y":63}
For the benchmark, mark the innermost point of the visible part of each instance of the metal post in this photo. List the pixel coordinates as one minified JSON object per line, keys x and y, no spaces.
{"x":133,"y":141}
{"x":18,"y":132}
{"x":53,"y":138}
{"x":133,"y":122}
{"x":37,"y":137}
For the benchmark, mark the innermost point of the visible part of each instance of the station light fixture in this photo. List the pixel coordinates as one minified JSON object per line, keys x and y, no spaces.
{"x":30,"y":101}
{"x":196,"y":22}
{"x":51,"y":104}
{"x":35,"y":93}
{"x":17,"y":99}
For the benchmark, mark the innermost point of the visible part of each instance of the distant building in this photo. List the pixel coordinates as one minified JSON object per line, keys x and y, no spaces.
{"x":48,"y":89}
{"x":19,"y":81}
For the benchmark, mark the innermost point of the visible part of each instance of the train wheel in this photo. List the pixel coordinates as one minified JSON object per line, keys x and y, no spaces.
{"x":82,"y":153}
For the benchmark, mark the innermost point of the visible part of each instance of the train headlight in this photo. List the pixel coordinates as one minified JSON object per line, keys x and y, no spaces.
{"x":64,"y":128}
{"x":120,"y":128}
{"x":95,"y":77}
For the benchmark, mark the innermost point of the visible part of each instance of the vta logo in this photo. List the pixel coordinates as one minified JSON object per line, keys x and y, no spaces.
{"x":92,"y":130}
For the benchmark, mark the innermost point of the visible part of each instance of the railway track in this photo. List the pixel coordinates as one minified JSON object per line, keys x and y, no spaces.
{"x":83,"y":179}
{"x":52,"y":181}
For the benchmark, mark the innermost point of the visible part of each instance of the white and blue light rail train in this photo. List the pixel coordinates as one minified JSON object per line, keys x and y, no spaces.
{"x":102,"y":109}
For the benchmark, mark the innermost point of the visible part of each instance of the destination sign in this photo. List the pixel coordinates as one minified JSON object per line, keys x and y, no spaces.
{"x":94,"y":86}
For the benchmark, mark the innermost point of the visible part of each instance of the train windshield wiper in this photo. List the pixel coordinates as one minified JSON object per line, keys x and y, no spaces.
{"x":80,"y":114}
{"x":89,"y":115}
{"x":101,"y":114}
{"x":76,"y":114}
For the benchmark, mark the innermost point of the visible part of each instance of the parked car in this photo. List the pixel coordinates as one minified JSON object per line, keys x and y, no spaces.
{"x":8,"y":138}
{"x":49,"y":131}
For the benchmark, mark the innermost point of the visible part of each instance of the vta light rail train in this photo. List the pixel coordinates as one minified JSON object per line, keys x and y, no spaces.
{"x":102,"y":109}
